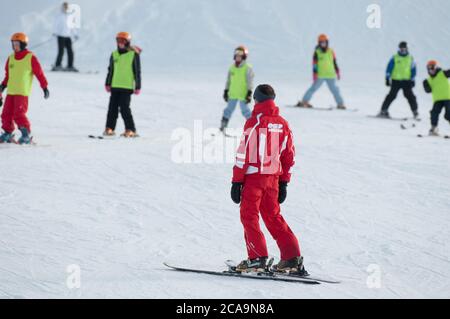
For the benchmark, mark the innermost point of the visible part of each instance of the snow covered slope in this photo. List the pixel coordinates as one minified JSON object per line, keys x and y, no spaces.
{"x":366,"y":195}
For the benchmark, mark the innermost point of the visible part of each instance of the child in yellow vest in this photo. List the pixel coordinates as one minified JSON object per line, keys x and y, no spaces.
{"x":239,"y":87}
{"x":438,"y":84}
{"x":122,"y":81}
{"x":400,"y":75}
{"x":325,"y":70}
{"x":20,"y":68}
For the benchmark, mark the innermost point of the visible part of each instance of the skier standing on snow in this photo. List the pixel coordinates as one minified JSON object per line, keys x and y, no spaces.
{"x":20,"y":68}
{"x":325,"y":69}
{"x":65,"y":30}
{"x":260,"y":179}
{"x":400,"y":75}
{"x":239,"y":87}
{"x":439,"y":86}
{"x":122,"y":81}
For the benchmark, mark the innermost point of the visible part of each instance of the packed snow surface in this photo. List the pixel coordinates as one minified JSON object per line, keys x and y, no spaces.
{"x":369,"y":201}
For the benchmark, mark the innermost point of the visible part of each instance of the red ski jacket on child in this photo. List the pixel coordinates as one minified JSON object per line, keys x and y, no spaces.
{"x":267,"y":146}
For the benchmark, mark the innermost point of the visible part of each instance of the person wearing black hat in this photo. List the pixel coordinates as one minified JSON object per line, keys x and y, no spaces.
{"x":400,"y":75}
{"x":261,"y":175}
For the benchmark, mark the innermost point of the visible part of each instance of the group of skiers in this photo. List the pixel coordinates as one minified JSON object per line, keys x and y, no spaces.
{"x":401,"y":75}
{"x":266,"y":154}
{"x":123,"y":80}
{"x":261,"y":177}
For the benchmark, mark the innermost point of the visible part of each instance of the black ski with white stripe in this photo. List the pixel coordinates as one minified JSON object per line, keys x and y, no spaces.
{"x":268,"y":276}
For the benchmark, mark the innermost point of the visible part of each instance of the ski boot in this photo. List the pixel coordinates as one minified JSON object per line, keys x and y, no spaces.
{"x":294,"y":266}
{"x":109,"y":132}
{"x":342,"y":107}
{"x":6,"y":138}
{"x":305,"y":105}
{"x":57,"y":69}
{"x":416,"y":116}
{"x":224,"y":124}
{"x":434,"y":131}
{"x":384,"y":115}
{"x":129,"y":134}
{"x":257,"y":265}
{"x":25,"y":138}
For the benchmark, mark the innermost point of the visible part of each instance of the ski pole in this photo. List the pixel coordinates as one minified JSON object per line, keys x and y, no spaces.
{"x":41,"y":44}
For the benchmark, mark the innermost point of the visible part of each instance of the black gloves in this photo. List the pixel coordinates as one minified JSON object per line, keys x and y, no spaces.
{"x":46,"y":94}
{"x":225,"y":95}
{"x":413,"y":84}
{"x":388,"y":82}
{"x":2,"y":88}
{"x":282,"y":195}
{"x":236,"y":190}
{"x":248,"y":99}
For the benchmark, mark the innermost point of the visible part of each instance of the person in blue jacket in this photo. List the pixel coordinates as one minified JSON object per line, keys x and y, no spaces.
{"x":401,"y":75}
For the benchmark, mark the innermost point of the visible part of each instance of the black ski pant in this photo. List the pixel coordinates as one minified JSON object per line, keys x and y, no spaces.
{"x":64,"y":44}
{"x":120,"y":100}
{"x":407,"y":88}
{"x":436,"y":112}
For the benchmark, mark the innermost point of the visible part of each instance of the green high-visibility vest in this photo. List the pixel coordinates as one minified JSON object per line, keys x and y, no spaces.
{"x":402,"y":68}
{"x":440,"y":87}
{"x":325,"y":64}
{"x":238,"y":89}
{"x":20,"y":74}
{"x":123,"y":77}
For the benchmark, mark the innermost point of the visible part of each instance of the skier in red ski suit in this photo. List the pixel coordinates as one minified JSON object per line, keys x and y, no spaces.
{"x":19,"y":70}
{"x":262,"y":172}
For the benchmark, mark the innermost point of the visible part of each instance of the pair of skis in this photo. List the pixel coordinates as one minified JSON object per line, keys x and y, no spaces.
{"x":65,"y":71}
{"x":13,"y":141}
{"x":225,"y":133}
{"x":266,"y":275}
{"x":329,"y":109}
{"x":101,"y":137}
{"x":447,"y":137}
{"x":397,"y":119}
{"x":408,"y":126}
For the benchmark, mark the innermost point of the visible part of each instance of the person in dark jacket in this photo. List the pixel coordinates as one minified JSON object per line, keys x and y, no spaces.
{"x":122,"y":81}
{"x":401,"y":75}
{"x":439,"y":86}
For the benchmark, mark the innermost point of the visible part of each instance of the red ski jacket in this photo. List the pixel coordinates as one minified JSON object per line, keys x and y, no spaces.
{"x":267,"y":146}
{"x":36,"y":66}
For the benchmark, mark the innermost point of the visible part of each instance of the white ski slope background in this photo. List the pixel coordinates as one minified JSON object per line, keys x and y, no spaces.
{"x":366,"y":195}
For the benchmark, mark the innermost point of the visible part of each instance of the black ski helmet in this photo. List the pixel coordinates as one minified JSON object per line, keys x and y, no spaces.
{"x":403,"y":45}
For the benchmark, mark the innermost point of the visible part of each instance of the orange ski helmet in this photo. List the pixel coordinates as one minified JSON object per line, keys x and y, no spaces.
{"x":20,"y":36}
{"x":124,"y":35}
{"x":432,"y":64}
{"x":322,"y":38}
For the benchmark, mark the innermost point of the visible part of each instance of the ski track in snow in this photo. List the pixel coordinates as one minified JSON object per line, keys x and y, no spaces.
{"x":365,"y":192}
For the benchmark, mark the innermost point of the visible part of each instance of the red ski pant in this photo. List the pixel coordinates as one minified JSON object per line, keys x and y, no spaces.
{"x":260,"y":197}
{"x":15,"y":111}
